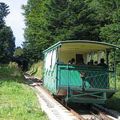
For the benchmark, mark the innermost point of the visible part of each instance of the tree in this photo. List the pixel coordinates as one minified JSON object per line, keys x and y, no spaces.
{"x":7,"y":44}
{"x":4,"y":11}
{"x":108,"y":12}
{"x":36,"y":33}
{"x":110,"y":32}
{"x":18,"y":52}
{"x":73,"y":20}
{"x":7,"y":40}
{"x":50,"y":21}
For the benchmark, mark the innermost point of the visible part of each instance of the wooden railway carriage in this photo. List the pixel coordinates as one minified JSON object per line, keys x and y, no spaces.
{"x":81,"y":83}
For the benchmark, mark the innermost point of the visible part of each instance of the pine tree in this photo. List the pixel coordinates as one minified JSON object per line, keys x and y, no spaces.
{"x":7,"y":40}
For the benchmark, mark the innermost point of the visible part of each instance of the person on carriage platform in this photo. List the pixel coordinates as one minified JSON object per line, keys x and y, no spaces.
{"x":96,"y":63}
{"x":72,"y":61}
{"x":91,"y":62}
{"x":102,"y":63}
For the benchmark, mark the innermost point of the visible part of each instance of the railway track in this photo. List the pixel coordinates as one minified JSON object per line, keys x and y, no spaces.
{"x":79,"y":112}
{"x":94,"y":112}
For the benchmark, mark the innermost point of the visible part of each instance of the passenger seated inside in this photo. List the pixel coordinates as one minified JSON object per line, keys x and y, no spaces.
{"x":102,"y":63}
{"x":72,"y":61}
{"x":91,"y":62}
{"x":96,"y":63}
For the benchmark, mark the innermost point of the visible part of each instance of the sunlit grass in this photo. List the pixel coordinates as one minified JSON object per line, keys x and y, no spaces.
{"x":114,"y":102}
{"x":36,"y":70}
{"x":17,"y":100}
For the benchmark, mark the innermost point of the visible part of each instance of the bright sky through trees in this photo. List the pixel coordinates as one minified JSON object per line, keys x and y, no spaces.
{"x":15,"y":19}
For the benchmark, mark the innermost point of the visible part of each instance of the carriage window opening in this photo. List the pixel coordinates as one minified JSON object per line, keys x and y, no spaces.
{"x":91,"y":58}
{"x":102,"y":63}
{"x":101,"y":54}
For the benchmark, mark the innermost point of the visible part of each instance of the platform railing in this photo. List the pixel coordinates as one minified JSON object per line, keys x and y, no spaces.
{"x":86,"y":77}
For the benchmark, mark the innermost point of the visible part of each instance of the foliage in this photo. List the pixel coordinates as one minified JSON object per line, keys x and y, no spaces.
{"x":4,"y":11}
{"x":50,"y":21}
{"x":18,"y":52}
{"x":7,"y":40}
{"x":36,"y":70}
{"x":114,"y":102}
{"x":73,"y":20}
{"x":36,"y":34}
{"x":17,"y":100}
{"x":110,"y":32}
{"x":7,"y":44}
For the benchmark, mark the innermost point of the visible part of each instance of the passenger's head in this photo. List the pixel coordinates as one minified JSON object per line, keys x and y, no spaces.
{"x":102,"y":60}
{"x":72,"y":60}
{"x":91,"y":61}
{"x":96,"y":62}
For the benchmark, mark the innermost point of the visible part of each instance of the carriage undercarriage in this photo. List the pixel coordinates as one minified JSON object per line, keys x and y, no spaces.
{"x":92,"y":96}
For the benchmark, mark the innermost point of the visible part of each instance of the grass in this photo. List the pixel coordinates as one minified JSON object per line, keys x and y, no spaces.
{"x":36,"y":70}
{"x":17,"y":100}
{"x":114,"y":102}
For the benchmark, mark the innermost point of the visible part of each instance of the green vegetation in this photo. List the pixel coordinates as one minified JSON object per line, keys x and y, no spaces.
{"x":50,"y":21}
{"x":17,"y":100}
{"x":36,"y":70}
{"x":7,"y":40}
{"x":18,"y":52}
{"x":114,"y":102}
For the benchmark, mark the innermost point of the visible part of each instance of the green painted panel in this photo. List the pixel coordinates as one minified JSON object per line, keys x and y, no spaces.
{"x":71,"y":78}
{"x":70,"y":75}
{"x":50,"y":80}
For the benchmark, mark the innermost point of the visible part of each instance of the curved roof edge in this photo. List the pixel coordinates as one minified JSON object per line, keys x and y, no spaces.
{"x":79,"y":41}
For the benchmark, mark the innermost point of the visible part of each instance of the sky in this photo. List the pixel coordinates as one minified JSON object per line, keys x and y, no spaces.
{"x":15,"y":19}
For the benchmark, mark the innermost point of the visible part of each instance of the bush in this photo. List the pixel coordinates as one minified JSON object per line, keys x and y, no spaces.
{"x":36,"y":70}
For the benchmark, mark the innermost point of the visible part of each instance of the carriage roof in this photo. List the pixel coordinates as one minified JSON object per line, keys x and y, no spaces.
{"x":81,"y":45}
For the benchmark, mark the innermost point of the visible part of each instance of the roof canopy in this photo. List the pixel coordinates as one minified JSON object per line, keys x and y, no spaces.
{"x":82,"y":45}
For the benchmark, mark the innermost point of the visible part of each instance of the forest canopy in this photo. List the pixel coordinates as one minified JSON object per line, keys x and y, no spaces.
{"x":50,"y":21}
